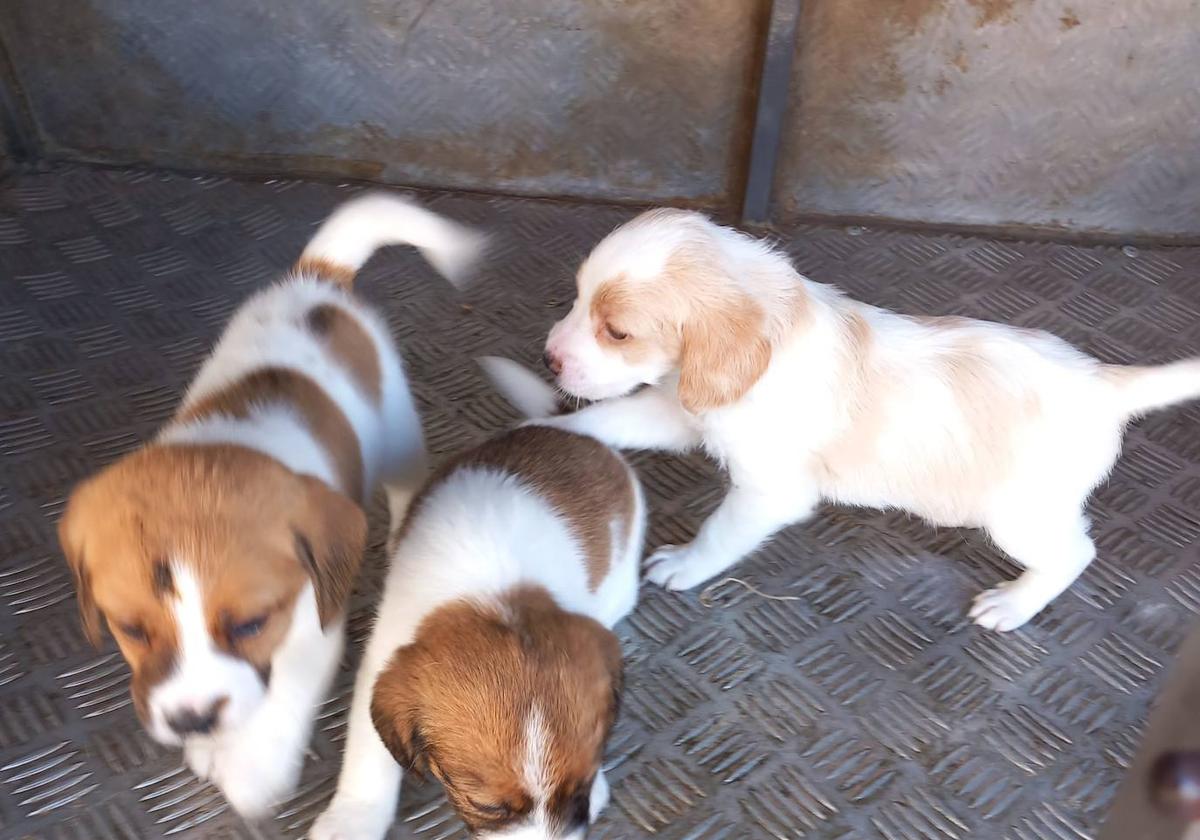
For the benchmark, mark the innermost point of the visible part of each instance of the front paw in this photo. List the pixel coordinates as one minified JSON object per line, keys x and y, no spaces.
{"x":678,"y":567}
{"x":348,"y":819}
{"x":200,"y":753}
{"x":598,"y":800}
{"x":257,"y":770}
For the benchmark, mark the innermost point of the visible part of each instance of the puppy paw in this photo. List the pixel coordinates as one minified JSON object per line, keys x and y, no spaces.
{"x":350,"y":820}
{"x":598,"y":799}
{"x":199,"y":754}
{"x":677,"y":567}
{"x":1003,"y":608}
{"x":257,"y":770}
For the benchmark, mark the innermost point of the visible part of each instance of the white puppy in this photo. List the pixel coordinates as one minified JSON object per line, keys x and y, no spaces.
{"x":805,"y":395}
{"x":221,"y":555}
{"x":492,"y":664}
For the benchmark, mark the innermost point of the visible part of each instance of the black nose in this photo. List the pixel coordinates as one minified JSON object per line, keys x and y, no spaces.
{"x":552,"y":363}
{"x":191,"y":722}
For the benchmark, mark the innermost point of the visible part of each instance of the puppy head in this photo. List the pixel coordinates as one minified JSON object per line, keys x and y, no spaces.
{"x":202,"y":561}
{"x":672,"y":292}
{"x":509,"y":706}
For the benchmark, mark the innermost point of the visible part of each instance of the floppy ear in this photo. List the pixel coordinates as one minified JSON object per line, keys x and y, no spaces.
{"x":70,"y":537}
{"x":395,"y":711}
{"x":330,"y":542}
{"x":723,"y":353}
{"x":614,"y":665}
{"x":596,"y":654}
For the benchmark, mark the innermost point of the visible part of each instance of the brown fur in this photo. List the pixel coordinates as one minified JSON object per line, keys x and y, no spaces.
{"x":324,"y":419}
{"x":581,"y":478}
{"x":231,"y":514}
{"x":349,"y":344}
{"x":322,"y":269}
{"x":455,"y":702}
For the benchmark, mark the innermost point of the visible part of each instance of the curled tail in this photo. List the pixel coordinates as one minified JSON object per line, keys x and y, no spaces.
{"x":1144,"y":389}
{"x":348,"y":238}
{"x":525,"y":390}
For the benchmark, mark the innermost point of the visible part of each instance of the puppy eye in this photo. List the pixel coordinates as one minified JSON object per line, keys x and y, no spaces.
{"x":492,"y":810}
{"x":614,"y":333}
{"x":134,"y":632}
{"x":247,"y":629}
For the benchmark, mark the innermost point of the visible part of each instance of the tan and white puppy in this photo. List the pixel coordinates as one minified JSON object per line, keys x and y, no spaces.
{"x":221,"y":554}
{"x":492,"y":664}
{"x":805,"y":395}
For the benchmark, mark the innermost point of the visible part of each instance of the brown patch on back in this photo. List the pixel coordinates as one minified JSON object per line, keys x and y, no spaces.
{"x":349,"y":344}
{"x":323,"y":269}
{"x":583,"y":480}
{"x":322,"y":416}
{"x":457,"y":701}
{"x":228,"y":514}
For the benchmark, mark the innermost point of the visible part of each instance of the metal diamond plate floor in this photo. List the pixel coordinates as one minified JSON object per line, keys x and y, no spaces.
{"x":864,"y":707}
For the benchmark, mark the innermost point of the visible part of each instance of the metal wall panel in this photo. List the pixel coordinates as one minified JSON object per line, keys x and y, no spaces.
{"x":647,"y":101}
{"x":1056,"y":113}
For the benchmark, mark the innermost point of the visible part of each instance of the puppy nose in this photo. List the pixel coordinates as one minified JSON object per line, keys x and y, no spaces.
{"x":192,"y":722}
{"x":552,"y":362}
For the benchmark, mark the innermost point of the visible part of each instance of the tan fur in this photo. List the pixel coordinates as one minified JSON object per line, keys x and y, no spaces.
{"x":230,"y":514}
{"x":652,"y":324}
{"x":456,"y":701}
{"x":349,"y":344}
{"x":582,"y":479}
{"x":321,"y":269}
{"x":321,"y":414}
{"x":696,"y":316}
{"x":992,"y":413}
{"x":723,"y":353}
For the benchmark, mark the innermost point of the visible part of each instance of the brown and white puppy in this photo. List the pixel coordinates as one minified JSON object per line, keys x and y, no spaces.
{"x":492,"y":665}
{"x":805,"y":395}
{"x":221,"y":554}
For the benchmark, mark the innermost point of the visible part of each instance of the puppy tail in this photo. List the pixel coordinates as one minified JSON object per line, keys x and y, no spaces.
{"x":525,"y":390}
{"x":358,"y":228}
{"x":1144,"y":389}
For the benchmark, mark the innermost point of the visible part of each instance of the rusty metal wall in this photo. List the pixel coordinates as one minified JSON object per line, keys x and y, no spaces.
{"x":1075,"y":114}
{"x":642,"y":101}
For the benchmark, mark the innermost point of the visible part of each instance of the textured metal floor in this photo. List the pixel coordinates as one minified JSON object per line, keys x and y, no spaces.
{"x":866,"y":708}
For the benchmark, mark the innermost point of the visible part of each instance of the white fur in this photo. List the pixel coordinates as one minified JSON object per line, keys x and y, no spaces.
{"x":204,"y":674}
{"x":255,"y":754}
{"x":256,"y":762}
{"x":358,"y":228}
{"x":478,"y":534}
{"x":772,"y":440}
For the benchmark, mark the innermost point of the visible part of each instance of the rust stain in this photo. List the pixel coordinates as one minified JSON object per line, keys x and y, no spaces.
{"x":960,"y":59}
{"x":994,"y":11}
{"x":1069,"y":20}
{"x":846,"y":74}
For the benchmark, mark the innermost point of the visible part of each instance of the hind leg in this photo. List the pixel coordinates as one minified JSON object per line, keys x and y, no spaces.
{"x":1054,"y":552}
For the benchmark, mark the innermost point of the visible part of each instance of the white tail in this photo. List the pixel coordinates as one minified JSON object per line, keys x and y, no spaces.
{"x":1143,"y":389}
{"x":362,"y":225}
{"x":527,"y":391}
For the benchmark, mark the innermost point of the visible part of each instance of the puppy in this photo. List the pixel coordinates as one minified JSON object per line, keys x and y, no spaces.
{"x":221,"y":555}
{"x":492,"y":665}
{"x":805,"y":395}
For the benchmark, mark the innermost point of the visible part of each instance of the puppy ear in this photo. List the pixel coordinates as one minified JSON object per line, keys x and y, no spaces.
{"x":70,"y":537}
{"x":595,"y":653}
{"x":395,"y":711}
{"x":723,"y":353}
{"x":330,"y":540}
